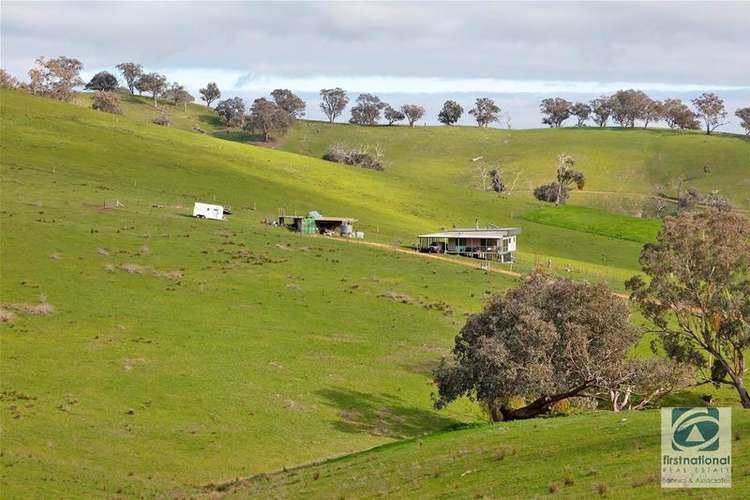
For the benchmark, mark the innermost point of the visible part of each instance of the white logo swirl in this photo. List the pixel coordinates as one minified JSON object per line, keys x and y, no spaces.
{"x":689,"y":419}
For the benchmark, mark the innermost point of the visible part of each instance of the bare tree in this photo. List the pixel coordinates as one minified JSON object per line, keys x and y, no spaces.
{"x":581,"y":111}
{"x":710,"y":108}
{"x":289,"y":102}
{"x":392,"y":115}
{"x":131,"y":72}
{"x":744,"y":115}
{"x":266,"y":116}
{"x":56,"y":77}
{"x":412,"y":113}
{"x":544,"y":341}
{"x":698,"y":293}
{"x":333,"y":102}
{"x":450,"y":113}
{"x":210,"y":93}
{"x":154,"y":83}
{"x":7,"y":81}
{"x":367,"y":110}
{"x":601,"y":108}
{"x":556,"y":111}
{"x":640,"y":383}
{"x":485,"y":111}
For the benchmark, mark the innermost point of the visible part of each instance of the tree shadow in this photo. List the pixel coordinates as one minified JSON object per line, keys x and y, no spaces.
{"x":237,"y":135}
{"x":684,"y":398}
{"x":381,"y":415}
{"x":212,"y":120}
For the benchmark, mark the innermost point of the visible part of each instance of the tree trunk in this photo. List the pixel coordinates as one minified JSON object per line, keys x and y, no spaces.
{"x":736,"y":373}
{"x":155,"y":103}
{"x":540,"y":406}
{"x":739,"y":384}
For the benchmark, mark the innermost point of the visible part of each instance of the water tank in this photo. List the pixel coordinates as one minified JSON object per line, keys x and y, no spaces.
{"x":346,"y":229}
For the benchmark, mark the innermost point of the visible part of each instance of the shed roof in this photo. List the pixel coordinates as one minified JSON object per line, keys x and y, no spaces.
{"x":322,"y":218}
{"x":486,"y":233}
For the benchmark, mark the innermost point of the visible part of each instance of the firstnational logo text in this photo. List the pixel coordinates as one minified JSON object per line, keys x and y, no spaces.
{"x":696,"y":447}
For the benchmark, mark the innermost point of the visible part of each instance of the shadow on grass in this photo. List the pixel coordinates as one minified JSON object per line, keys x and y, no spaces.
{"x":237,"y":136}
{"x":685,"y":398}
{"x":211,"y":120}
{"x":381,"y":414}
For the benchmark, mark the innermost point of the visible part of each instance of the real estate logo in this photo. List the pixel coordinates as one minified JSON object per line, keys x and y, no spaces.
{"x":696,"y":447}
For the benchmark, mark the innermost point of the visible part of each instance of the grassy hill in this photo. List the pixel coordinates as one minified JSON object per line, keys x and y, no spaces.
{"x":583,"y":456}
{"x":621,"y":165}
{"x":152,"y":353}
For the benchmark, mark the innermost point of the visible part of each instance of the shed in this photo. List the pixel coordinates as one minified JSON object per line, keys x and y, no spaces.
{"x":314,"y":222}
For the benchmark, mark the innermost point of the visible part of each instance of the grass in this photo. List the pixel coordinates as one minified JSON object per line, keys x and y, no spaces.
{"x":596,"y":221}
{"x":618,"y":174}
{"x":175,"y":352}
{"x":580,"y":456}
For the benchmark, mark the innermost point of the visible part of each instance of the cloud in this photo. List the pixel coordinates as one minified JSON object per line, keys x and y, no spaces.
{"x":436,"y":48}
{"x":664,"y":42}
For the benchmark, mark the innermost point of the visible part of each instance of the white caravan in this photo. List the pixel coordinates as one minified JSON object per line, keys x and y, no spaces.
{"x":206,"y":211}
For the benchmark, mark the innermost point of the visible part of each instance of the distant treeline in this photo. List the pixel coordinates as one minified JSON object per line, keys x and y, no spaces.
{"x":58,"y":77}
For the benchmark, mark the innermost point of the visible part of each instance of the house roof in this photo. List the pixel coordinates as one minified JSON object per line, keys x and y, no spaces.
{"x":486,"y":233}
{"x":322,"y":218}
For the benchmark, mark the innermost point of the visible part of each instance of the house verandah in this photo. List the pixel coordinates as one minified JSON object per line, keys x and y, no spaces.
{"x":497,"y":244}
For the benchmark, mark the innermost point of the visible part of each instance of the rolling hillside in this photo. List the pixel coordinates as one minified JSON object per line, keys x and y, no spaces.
{"x":621,"y":165}
{"x":149,"y":353}
{"x":582,"y":456}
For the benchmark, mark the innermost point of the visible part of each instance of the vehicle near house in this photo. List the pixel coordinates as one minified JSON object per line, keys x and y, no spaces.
{"x":208,"y":211}
{"x":491,"y":243}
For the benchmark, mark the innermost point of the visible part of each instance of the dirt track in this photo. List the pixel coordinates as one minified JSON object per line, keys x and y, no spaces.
{"x":452,"y":260}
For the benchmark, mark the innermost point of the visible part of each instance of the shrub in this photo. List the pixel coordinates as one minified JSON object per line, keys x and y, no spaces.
{"x":691,"y":198}
{"x":359,"y":157}
{"x":109,"y":102}
{"x":548,"y":192}
{"x":162,"y":120}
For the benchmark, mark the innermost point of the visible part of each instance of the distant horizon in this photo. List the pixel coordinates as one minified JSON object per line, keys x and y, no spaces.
{"x":516,"y":53}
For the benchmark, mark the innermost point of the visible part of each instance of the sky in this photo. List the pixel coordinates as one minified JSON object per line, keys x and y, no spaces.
{"x":406,"y":52}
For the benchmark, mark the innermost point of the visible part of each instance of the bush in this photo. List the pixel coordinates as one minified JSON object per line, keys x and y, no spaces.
{"x":548,"y":193}
{"x":109,"y":102}
{"x":162,"y":120}
{"x":691,"y":198}
{"x":359,"y":157}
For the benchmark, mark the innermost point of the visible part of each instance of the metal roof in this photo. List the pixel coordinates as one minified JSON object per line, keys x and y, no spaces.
{"x":321,"y":218}
{"x":500,"y":232}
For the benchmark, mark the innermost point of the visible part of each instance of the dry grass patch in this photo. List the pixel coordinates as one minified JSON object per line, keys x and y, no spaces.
{"x":401,"y":298}
{"x":43,"y":308}
{"x":6,"y":316}
{"x":132,"y":268}
{"x":170,"y":275}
